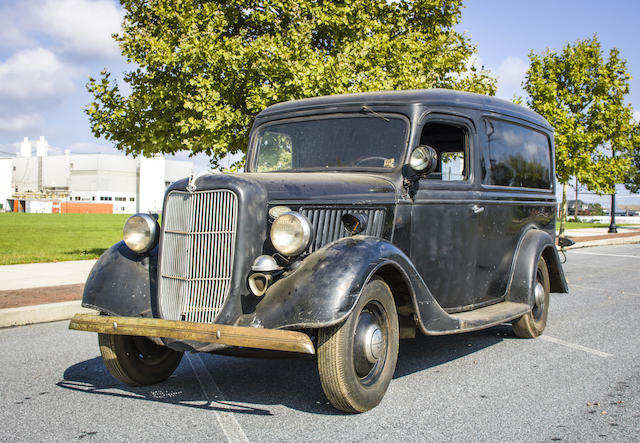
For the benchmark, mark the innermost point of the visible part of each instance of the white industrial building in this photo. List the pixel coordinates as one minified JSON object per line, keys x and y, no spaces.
{"x":85,"y":182}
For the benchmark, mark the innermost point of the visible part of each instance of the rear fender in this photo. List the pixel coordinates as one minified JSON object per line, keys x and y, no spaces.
{"x":535,"y":243}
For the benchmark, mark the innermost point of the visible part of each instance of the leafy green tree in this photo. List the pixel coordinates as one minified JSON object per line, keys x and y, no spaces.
{"x":632,"y":181}
{"x":596,"y":209}
{"x":203,"y":69}
{"x":582,"y":95}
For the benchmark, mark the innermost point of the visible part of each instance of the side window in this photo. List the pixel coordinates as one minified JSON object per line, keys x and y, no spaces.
{"x":274,"y":152}
{"x":451,"y":143}
{"x":516,"y":156}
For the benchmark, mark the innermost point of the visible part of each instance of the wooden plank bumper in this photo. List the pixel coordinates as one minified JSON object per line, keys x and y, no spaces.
{"x":260,"y":338}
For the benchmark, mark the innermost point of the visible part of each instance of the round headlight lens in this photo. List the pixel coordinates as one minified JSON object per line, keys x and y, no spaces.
{"x":291,"y":233}
{"x":140,"y":233}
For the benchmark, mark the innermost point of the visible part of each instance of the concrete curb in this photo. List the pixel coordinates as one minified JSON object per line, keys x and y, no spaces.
{"x":605,"y":242}
{"x":27,"y":315}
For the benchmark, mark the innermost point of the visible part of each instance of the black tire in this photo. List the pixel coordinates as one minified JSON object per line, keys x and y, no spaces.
{"x":350,"y":379}
{"x":533,"y":322}
{"x":137,"y":361}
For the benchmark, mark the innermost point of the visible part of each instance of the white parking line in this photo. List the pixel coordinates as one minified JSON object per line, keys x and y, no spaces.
{"x":230,"y":426}
{"x":575,"y":346}
{"x":605,"y":255}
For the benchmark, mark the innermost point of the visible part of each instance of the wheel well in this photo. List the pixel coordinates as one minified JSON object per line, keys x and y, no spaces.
{"x":399,"y":289}
{"x":555,"y":277}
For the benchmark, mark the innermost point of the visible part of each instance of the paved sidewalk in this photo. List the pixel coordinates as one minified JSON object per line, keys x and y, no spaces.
{"x":42,"y":292}
{"x":588,"y":237}
{"x":37,"y":275}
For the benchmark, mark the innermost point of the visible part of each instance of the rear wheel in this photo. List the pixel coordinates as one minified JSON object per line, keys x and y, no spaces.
{"x":357,"y":359}
{"x":533,"y":322}
{"x":137,"y":361}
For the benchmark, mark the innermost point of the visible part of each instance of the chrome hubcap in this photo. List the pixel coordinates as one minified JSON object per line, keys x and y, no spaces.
{"x":373,"y":344}
{"x":369,"y":346}
{"x":539,"y":295}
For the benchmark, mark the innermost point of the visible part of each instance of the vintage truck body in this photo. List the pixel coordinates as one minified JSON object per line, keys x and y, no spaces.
{"x":428,"y":210}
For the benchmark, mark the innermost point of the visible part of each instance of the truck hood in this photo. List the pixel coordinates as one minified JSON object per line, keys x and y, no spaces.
{"x":327,"y":187}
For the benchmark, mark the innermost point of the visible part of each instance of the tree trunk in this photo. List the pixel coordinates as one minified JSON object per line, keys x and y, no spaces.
{"x":563,"y":210}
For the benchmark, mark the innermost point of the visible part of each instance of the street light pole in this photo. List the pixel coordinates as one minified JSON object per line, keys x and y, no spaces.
{"x":613,"y":229}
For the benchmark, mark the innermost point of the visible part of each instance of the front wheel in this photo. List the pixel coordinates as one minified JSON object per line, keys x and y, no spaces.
{"x":137,"y":361}
{"x":533,"y":322}
{"x":357,"y":359}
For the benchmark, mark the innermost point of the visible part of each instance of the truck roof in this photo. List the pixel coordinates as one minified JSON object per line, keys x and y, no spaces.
{"x":416,"y":96}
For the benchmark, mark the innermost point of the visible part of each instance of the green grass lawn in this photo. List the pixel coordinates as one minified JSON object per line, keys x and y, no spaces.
{"x":34,"y":238}
{"x":580,"y":225}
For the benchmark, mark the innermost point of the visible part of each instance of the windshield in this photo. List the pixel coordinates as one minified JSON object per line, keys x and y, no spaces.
{"x":375,"y":141}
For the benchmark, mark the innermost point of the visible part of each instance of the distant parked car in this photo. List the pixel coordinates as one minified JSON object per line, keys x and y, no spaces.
{"x":360,"y":219}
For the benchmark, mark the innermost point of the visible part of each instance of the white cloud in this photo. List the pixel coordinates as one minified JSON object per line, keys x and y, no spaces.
{"x":34,"y":75}
{"x":510,"y":76}
{"x":83,"y":27}
{"x":14,"y":21}
{"x":78,"y":28}
{"x":19,"y":122}
{"x":32,"y":81}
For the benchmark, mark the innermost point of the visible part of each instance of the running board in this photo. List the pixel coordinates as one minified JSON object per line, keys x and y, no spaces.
{"x":259,"y":338}
{"x":490,"y":315}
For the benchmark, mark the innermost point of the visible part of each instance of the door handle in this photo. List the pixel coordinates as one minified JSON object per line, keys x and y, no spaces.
{"x":477,"y":209}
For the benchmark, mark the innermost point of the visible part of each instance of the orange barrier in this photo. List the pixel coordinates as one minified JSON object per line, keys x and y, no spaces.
{"x":84,"y":208}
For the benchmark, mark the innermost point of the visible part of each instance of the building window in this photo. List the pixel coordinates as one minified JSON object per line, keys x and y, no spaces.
{"x":14,"y":168}
{"x":131,"y":199}
{"x":93,"y":197}
{"x":77,"y":198}
{"x":121,"y":199}
{"x":108,"y":199}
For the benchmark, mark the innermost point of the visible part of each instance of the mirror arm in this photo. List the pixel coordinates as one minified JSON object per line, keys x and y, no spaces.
{"x":409,"y":183}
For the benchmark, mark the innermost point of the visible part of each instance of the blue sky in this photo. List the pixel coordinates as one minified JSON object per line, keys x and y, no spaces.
{"x":48,"y":49}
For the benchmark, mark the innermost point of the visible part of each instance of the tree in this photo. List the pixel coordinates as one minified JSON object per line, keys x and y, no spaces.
{"x":582,"y":96}
{"x":632,"y":181}
{"x":203,"y":69}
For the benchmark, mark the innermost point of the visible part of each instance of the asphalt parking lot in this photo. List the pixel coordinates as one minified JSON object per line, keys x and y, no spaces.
{"x":579,"y":381}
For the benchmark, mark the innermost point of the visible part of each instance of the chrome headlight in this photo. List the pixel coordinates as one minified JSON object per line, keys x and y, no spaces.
{"x":291,"y":233}
{"x":140,"y":233}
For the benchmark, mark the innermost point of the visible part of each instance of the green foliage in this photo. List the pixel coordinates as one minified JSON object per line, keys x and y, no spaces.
{"x":632,"y":181}
{"x":34,"y":238}
{"x":205,"y":68}
{"x":582,"y":95}
{"x":596,"y":209}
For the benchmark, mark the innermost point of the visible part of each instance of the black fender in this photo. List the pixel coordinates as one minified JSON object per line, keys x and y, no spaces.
{"x":122,"y":282}
{"x":533,"y":244}
{"x":323,"y":290}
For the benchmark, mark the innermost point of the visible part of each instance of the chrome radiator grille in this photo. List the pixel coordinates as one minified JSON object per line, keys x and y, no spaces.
{"x":197,"y":254}
{"x":327,"y":224}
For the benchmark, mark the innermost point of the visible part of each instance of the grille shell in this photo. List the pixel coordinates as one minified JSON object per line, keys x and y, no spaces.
{"x":197,"y":254}
{"x":327,"y":223}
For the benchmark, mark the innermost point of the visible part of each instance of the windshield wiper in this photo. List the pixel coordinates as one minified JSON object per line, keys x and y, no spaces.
{"x":368,"y":109}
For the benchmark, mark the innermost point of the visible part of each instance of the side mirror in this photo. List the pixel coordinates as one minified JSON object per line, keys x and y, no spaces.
{"x":423,"y":160}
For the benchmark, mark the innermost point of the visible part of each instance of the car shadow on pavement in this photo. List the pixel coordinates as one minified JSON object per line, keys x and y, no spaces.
{"x":241,"y":385}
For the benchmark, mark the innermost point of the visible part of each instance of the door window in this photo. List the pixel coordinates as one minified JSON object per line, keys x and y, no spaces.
{"x":451,"y":143}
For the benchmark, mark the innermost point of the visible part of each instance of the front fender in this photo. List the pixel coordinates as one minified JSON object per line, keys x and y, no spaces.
{"x":122,"y":283}
{"x":323,"y":290}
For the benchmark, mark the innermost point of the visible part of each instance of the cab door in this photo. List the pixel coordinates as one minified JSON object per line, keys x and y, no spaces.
{"x":444,"y":216}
